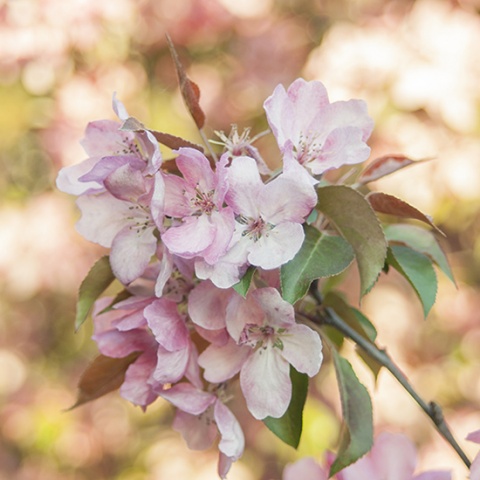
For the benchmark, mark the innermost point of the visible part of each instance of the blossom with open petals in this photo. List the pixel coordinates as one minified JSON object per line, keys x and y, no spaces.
{"x":324,"y":135}
{"x":266,"y":340}
{"x":200,"y":415}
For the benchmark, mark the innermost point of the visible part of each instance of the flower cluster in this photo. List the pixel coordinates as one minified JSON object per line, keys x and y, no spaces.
{"x":179,"y":242}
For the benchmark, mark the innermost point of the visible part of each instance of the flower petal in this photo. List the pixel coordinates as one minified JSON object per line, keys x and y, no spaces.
{"x":232,"y":441}
{"x":263,"y":373}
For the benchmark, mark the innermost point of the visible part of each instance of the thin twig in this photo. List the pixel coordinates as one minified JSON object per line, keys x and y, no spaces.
{"x":432,"y":409}
{"x":207,"y":144}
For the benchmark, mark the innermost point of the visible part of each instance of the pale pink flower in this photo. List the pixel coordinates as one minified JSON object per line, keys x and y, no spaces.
{"x":393,"y":457}
{"x":200,"y":417}
{"x":122,"y":331}
{"x":176,"y":353}
{"x":268,"y":222}
{"x":324,"y":135}
{"x":204,"y":227}
{"x":120,"y":218}
{"x":108,"y":148}
{"x":266,"y":340}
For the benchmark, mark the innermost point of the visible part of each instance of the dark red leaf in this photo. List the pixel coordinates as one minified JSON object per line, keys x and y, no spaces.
{"x":384,"y":203}
{"x":383,"y":166}
{"x":174,"y":142}
{"x":102,"y":376}
{"x":189,"y":89}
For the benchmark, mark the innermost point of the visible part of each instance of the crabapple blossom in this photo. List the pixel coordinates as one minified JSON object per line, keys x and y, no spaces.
{"x":268,"y":227}
{"x":200,"y":415}
{"x":266,"y":340}
{"x":108,"y":147}
{"x":393,"y":457}
{"x":324,"y":135}
{"x":205,"y":226}
{"x":118,"y":333}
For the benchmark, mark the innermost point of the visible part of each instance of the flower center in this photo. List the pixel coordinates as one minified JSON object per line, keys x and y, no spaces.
{"x":202,"y":202}
{"x":308,"y":147}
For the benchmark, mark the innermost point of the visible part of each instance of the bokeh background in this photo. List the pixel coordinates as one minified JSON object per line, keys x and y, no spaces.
{"x":416,"y":63}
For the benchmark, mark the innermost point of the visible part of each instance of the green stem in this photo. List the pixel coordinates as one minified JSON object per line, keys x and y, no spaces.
{"x":432,"y":409}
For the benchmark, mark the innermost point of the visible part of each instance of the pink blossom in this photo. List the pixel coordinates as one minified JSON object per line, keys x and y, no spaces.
{"x":324,"y":135}
{"x":204,"y":226}
{"x":120,"y":332}
{"x":268,"y":223}
{"x":393,"y":457}
{"x":121,"y":219}
{"x":176,"y":353}
{"x":200,"y":416}
{"x":266,"y":340}
{"x":109,"y":147}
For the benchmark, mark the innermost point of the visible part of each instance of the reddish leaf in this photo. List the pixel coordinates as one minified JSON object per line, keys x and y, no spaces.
{"x":174,"y":142}
{"x":383,"y":166}
{"x":102,"y":376}
{"x":384,"y":203}
{"x":189,"y":89}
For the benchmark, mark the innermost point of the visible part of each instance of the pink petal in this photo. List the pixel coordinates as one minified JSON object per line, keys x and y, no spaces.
{"x":117,"y":344}
{"x":224,"y":223}
{"x":232,"y":440}
{"x":167,"y":325}
{"x":68,"y":179}
{"x":103,"y":138}
{"x":103,"y":216}
{"x":302,"y":348}
{"x":278,"y":247}
{"x":305,"y":469}
{"x":439,"y":475}
{"x":474,"y":436}
{"x":131,"y":252}
{"x":190,"y":238}
{"x":207,"y":305}
{"x":188,"y":398}
{"x":245,"y":186}
{"x":171,"y":366}
{"x":136,"y":387}
{"x":223,"y":362}
{"x":126,"y":183}
{"x":277,"y":207}
{"x":197,"y":433}
{"x":196,"y":169}
{"x":277,"y":311}
{"x":241,"y":311}
{"x":363,"y":469}
{"x":394,"y":456}
{"x":266,"y":384}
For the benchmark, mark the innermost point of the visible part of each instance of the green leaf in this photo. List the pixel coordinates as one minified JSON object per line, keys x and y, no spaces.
{"x":288,"y":428}
{"x":357,"y":438}
{"x":421,"y":240}
{"x":94,"y":284}
{"x":417,"y":268}
{"x":359,"y":322}
{"x":349,"y":315}
{"x":355,"y":219}
{"x":244,"y":284}
{"x":320,"y":256}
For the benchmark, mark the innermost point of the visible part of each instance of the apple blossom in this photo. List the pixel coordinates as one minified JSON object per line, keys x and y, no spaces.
{"x":266,"y":340}
{"x":200,"y":415}
{"x":324,"y":135}
{"x":393,"y":457}
{"x":205,"y":226}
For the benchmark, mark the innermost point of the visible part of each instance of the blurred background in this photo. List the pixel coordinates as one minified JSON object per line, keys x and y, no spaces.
{"x":416,"y":63}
